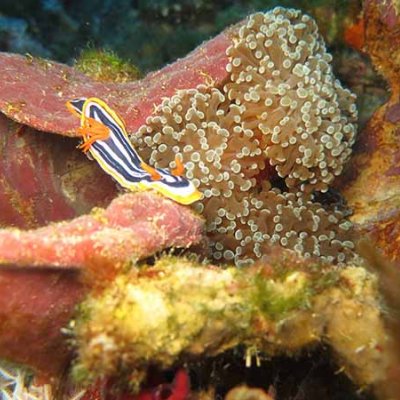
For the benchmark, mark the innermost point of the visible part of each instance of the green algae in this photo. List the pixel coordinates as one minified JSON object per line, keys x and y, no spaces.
{"x":104,"y":65}
{"x":276,"y":299}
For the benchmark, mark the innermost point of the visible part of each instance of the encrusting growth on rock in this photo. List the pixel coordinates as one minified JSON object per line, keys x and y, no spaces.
{"x":183,"y":309}
{"x":133,"y":226}
{"x":281,"y":114}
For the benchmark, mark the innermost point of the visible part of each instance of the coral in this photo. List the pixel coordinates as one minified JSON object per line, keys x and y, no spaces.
{"x":44,"y":179}
{"x":283,"y":110}
{"x":133,"y":226}
{"x":41,"y":103}
{"x":372,"y":189}
{"x":281,"y":306}
{"x":183,"y":310}
{"x":389,"y":281}
{"x":281,"y":73}
{"x":104,"y":65}
{"x":35,"y":304}
{"x":249,"y":215}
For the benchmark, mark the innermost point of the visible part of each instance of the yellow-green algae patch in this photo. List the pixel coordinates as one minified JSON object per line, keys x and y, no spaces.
{"x":275,"y":298}
{"x":157,"y":316}
{"x":178,"y":310}
{"x":106,"y":66}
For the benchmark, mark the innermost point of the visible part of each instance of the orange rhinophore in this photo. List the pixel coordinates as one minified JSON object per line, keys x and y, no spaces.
{"x":105,"y":138}
{"x":91,"y":131}
{"x":179,"y":169}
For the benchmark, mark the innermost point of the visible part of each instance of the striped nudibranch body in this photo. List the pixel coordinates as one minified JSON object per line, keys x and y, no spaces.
{"x":105,"y":138}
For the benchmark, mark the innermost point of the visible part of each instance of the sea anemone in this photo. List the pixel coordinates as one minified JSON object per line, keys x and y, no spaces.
{"x":281,"y":114}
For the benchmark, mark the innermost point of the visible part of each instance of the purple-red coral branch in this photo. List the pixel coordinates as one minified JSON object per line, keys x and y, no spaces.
{"x":36,"y":303}
{"x":132,"y":227}
{"x":41,"y":104}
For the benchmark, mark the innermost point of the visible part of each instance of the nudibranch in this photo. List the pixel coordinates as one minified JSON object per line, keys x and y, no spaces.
{"x":106,"y":139}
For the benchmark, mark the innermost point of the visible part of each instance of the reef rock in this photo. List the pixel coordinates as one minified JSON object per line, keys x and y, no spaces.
{"x":132,"y":227}
{"x":39,"y":288}
{"x":43,"y":178}
{"x":372,"y":187}
{"x":258,"y":171}
{"x":34,"y":91}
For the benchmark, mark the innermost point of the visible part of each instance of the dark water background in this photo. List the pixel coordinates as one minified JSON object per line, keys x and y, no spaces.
{"x":148,"y":33}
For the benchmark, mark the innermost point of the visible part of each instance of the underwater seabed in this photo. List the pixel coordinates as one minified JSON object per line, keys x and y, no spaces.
{"x":280,"y":283}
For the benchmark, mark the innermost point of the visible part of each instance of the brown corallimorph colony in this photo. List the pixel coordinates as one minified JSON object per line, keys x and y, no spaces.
{"x":306,"y":119}
{"x":281,"y":113}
